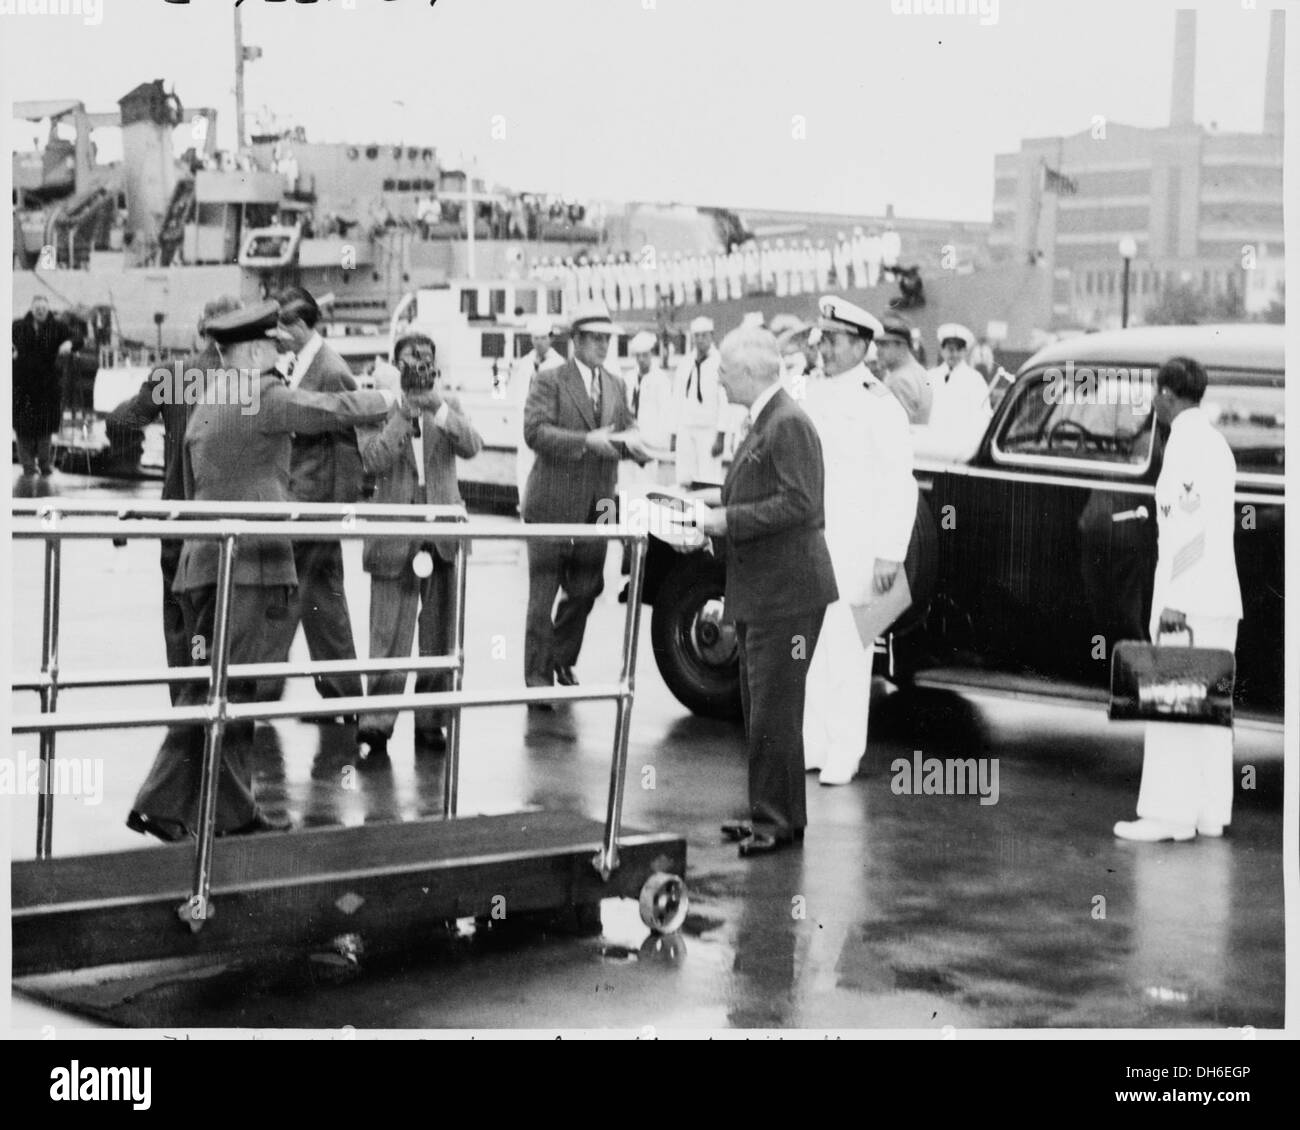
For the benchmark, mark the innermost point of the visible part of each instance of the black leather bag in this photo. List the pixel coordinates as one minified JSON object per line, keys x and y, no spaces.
{"x":1150,"y":683}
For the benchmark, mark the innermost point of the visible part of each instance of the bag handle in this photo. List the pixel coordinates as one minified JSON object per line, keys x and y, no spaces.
{"x":1191,"y":639}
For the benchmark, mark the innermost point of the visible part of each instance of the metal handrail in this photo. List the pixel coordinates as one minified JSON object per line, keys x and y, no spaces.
{"x":55,"y":521}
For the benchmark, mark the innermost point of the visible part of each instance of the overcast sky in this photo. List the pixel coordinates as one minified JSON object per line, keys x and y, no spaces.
{"x":689,"y":100}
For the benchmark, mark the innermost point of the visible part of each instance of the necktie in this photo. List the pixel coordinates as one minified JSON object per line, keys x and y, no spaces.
{"x":699,"y":383}
{"x":595,"y":393}
{"x":636,"y":397}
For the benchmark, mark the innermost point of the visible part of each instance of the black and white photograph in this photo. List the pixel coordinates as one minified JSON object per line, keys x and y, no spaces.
{"x":634,"y":519}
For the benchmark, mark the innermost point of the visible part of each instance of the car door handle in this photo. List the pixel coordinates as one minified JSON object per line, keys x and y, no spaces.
{"x":1128,"y":515}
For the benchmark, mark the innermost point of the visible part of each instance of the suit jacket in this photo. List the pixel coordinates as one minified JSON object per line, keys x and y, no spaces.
{"x":231,"y":454}
{"x":327,"y":465}
{"x":388,"y":453}
{"x":777,"y":561}
{"x":567,"y":482}
{"x":158,"y":396}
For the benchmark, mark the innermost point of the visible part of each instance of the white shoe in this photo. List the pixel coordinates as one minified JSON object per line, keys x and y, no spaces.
{"x":828,"y":778}
{"x":1154,"y":831}
{"x":1214,"y":831}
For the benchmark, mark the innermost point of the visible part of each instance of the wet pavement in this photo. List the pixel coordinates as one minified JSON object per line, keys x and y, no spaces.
{"x":901,"y":911}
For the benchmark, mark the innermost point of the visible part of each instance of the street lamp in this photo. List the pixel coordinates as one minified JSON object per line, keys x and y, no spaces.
{"x":1128,"y":248}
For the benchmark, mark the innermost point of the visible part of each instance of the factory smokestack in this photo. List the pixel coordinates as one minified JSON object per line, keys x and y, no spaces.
{"x":1184,"y":89}
{"x":1273,"y":82}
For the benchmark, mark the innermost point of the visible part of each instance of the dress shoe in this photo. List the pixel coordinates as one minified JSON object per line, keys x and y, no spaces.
{"x":169,"y":831}
{"x":737,"y":830}
{"x":1154,"y":831}
{"x":46,"y":470}
{"x":376,"y":743}
{"x":760,"y":843}
{"x":261,"y":822}
{"x":565,"y":677}
{"x":431,"y":741}
{"x":828,"y":778}
{"x":1214,"y":831}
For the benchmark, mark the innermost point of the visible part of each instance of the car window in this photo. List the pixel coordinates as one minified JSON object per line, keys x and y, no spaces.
{"x":1251,"y":418}
{"x":1098,"y":415}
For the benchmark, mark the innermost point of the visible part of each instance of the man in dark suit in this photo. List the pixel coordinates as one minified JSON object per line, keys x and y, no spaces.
{"x":570,"y":420}
{"x":161,"y":394}
{"x":326,"y":468}
{"x":39,"y":340}
{"x":779,"y":581}
{"x":237,"y":448}
{"x":413,"y":458}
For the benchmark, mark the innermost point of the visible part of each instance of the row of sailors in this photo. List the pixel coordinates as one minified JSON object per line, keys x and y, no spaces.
{"x":688,"y":426}
{"x":622,"y":282}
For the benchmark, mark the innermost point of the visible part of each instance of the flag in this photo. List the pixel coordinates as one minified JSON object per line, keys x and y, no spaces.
{"x":1058,"y":182}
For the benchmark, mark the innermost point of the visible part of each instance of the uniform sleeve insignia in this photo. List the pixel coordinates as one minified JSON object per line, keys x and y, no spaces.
{"x":1189,"y":555}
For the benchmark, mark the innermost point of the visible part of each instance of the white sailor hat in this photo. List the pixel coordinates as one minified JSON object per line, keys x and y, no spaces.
{"x":839,"y":316}
{"x":951,"y":330}
{"x":538,"y":326}
{"x":702,"y":325}
{"x":592,"y":318}
{"x":644,"y":342}
{"x":752,"y":319}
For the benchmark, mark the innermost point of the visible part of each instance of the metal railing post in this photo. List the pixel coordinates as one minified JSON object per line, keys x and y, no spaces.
{"x":199,"y":908}
{"x":49,"y":693}
{"x":606,"y":860}
{"x":451,"y":780}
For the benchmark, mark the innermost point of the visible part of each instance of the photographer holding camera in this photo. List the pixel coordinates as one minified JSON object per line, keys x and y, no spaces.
{"x":413,"y":458}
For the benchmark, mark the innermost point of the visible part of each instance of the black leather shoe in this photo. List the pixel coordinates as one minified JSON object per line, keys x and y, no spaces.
{"x":737,"y":830}
{"x":261,"y":823}
{"x":376,"y":743}
{"x":169,"y":831}
{"x":760,"y":843}
{"x":565,"y":677}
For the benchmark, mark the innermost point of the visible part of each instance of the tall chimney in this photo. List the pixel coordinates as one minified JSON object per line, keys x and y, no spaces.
{"x":1184,"y":91}
{"x":1273,"y":92}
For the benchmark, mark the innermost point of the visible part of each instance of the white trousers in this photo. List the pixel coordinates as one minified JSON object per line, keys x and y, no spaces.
{"x":837,"y":696}
{"x":1187,"y":770}
{"x":695,"y":463}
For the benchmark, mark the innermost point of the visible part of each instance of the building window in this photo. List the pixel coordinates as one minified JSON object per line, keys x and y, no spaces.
{"x":494,"y":346}
{"x":469,"y":303}
{"x":526,"y":301}
{"x":498,"y":299}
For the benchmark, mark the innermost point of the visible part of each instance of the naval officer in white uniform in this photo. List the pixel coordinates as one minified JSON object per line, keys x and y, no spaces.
{"x":870,"y":499}
{"x":961,"y":408}
{"x":700,"y":407}
{"x":1187,"y":780}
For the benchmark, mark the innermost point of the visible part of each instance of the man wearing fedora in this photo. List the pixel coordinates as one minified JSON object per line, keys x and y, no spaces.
{"x":575,"y":420}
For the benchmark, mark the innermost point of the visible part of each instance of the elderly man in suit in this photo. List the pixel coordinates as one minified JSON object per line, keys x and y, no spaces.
{"x":326,"y":468}
{"x":238,"y":447}
{"x":570,"y":421}
{"x":154,"y":398}
{"x":779,"y":581}
{"x":413,"y":458}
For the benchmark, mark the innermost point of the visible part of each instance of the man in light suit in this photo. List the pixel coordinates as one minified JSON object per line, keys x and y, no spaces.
{"x":904,"y":376}
{"x":326,"y":468}
{"x":570,"y":421}
{"x":413,"y":458}
{"x":779,"y":582}
{"x":238,"y":447}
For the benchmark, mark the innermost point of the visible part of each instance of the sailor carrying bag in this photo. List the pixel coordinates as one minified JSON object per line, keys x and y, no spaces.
{"x":1150,"y":683}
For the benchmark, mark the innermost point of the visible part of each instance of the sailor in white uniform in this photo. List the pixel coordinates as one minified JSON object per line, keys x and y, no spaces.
{"x":891,"y":247}
{"x":1187,"y":777}
{"x":780,"y":269}
{"x":874,"y":253}
{"x":700,"y":410}
{"x":961,"y":408}
{"x":870,"y":499}
{"x":540,"y":357}
{"x":650,"y":397}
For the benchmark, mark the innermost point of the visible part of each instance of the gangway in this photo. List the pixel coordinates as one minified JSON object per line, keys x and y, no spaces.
{"x":390,"y":883}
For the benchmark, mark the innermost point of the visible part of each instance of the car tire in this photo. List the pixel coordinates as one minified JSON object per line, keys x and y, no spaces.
{"x":705,"y":684}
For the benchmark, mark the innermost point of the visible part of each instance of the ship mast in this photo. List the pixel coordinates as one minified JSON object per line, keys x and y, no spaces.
{"x":239,"y":82}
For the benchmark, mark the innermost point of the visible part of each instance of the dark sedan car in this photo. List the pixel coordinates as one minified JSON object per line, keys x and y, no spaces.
{"x":1043,"y":543}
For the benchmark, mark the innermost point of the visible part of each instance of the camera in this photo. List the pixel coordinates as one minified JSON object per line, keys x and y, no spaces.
{"x":418,"y":376}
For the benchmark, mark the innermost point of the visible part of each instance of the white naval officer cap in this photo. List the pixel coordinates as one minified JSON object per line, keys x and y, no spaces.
{"x":840,"y":316}
{"x":952,"y":331}
{"x":702,"y":325}
{"x":644,"y":342}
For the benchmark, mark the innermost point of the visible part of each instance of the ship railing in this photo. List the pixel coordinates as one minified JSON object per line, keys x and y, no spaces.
{"x":58,"y":521}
